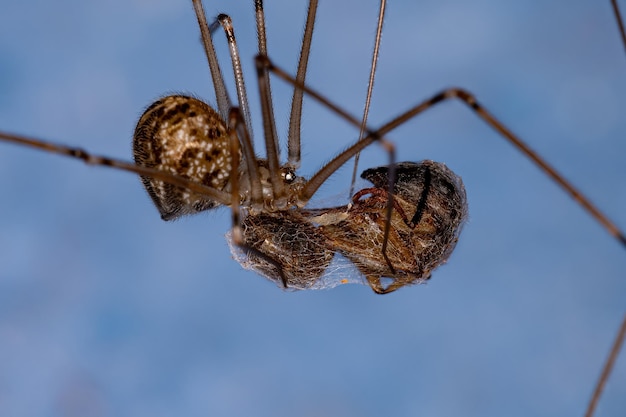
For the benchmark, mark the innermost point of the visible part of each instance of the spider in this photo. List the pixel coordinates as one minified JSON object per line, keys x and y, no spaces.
{"x":192,"y":158}
{"x":361,"y":206}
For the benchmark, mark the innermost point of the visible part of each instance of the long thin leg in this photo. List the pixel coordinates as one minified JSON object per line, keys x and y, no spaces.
{"x":252,"y":168}
{"x":259,"y":14}
{"x":608,"y":367}
{"x":295,"y":118}
{"x":620,"y":22}
{"x":240,"y":84}
{"x":271,"y":140}
{"x":223,"y":101}
{"x":233,"y":120}
{"x":219,"y":196}
{"x":370,"y":88}
{"x":621,"y":333}
{"x":272,"y":147}
{"x":469,"y":100}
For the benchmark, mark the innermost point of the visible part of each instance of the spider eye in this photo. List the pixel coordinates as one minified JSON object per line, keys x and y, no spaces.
{"x":289,"y":176}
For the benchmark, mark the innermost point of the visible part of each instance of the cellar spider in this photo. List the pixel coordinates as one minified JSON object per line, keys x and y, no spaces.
{"x":470,"y":195}
{"x":192,"y":158}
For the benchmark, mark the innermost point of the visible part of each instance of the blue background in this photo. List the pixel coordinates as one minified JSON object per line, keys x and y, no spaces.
{"x":105,"y":310}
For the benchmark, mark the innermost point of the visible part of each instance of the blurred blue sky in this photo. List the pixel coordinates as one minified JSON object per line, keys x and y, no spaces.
{"x":105,"y":310}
